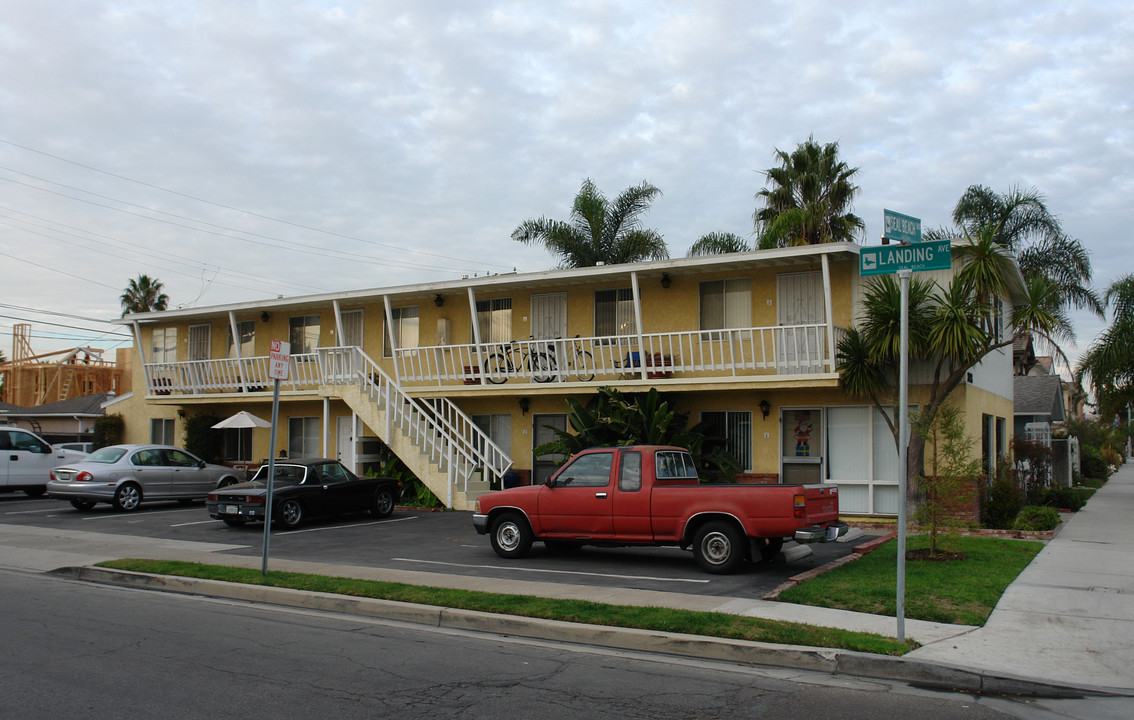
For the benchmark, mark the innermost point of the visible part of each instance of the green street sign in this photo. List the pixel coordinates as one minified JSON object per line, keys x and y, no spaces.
{"x":888,"y":259}
{"x":900,"y":228}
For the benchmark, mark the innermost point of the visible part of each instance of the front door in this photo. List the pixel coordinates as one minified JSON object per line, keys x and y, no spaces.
{"x":543,"y":431}
{"x":549,"y":322}
{"x":344,"y":442}
{"x":801,"y":458}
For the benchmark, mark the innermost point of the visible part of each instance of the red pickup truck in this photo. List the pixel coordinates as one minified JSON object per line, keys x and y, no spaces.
{"x":650,"y":495}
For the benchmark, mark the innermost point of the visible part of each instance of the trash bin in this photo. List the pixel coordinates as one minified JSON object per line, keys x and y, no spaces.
{"x":510,"y":479}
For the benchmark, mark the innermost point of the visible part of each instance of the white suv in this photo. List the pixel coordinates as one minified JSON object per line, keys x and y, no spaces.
{"x":26,"y":460}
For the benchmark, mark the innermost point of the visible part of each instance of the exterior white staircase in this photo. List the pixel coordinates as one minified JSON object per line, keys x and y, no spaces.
{"x":439,"y":443}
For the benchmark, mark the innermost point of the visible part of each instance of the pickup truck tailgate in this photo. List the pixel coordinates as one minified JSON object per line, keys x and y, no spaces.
{"x":821,"y":504}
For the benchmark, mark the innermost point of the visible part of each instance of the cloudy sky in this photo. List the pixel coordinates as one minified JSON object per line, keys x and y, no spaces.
{"x":240,"y":150}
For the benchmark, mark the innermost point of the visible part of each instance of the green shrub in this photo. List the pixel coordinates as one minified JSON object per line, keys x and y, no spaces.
{"x":108,"y":430}
{"x":1004,"y":499}
{"x":1068,"y":498}
{"x":202,"y":439}
{"x":1034,"y":517}
{"x":1093,"y":462}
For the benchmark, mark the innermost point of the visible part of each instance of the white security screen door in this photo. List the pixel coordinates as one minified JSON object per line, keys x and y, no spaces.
{"x":799,"y":301}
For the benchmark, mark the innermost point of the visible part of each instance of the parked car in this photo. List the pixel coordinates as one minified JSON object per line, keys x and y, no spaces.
{"x":83,"y":447}
{"x":26,"y":460}
{"x":303,"y":488}
{"x":128,"y":475}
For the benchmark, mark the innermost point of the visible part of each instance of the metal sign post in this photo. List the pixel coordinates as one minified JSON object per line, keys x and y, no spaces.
{"x":278,"y":361}
{"x":903,"y":451}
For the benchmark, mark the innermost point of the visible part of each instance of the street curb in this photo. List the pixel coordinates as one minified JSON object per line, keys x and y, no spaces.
{"x":827,"y":660}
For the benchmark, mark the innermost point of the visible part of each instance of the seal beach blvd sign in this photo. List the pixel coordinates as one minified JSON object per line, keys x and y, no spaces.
{"x":887,"y":259}
{"x":900,"y":228}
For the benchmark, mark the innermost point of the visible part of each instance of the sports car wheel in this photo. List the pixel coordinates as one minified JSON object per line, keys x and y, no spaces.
{"x":80,"y":504}
{"x":511,"y":537}
{"x":383,"y":503}
{"x":289,"y":514}
{"x":127,"y":497}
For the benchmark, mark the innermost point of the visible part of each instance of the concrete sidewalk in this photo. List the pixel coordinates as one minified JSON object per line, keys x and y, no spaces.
{"x":1065,"y":625}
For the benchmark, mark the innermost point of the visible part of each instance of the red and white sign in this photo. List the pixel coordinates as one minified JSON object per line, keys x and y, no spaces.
{"x":279,"y":353}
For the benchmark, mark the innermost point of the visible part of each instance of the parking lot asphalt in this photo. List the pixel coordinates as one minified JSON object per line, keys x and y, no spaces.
{"x":422,"y":541}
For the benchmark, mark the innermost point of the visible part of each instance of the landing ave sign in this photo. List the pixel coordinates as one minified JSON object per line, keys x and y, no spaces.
{"x":888,"y":259}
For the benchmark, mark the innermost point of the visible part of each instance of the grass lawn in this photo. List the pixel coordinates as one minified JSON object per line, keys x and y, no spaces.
{"x":647,"y":618}
{"x":955,"y":591}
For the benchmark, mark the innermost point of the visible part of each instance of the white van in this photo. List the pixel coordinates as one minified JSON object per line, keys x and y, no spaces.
{"x":26,"y":460}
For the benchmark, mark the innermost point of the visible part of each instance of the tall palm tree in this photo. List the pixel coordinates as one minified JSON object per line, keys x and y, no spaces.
{"x":143,"y":295}
{"x":719,"y":243}
{"x":599,"y":230}
{"x":809,"y":200}
{"x":1109,"y":362}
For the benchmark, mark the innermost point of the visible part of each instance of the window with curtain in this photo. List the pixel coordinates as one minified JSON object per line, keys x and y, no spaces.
{"x":247,"y":331}
{"x":735,"y":427}
{"x":303,"y":334}
{"x":352,"y":328}
{"x":494,"y":318}
{"x":303,"y":437}
{"x":498,"y":427}
{"x":161,"y":431}
{"x":405,"y":329}
{"x":726,"y":304}
{"x":163,"y":345}
{"x":614,"y":312}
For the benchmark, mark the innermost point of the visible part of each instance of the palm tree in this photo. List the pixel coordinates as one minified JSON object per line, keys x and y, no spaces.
{"x":951,"y":329}
{"x":1109,"y":362}
{"x":143,"y":295}
{"x":599,"y":231}
{"x":809,"y":200}
{"x":719,"y":243}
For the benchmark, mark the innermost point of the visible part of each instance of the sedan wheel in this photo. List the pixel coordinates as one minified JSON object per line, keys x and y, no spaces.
{"x":80,"y":504}
{"x":127,"y":497}
{"x":383,"y":503}
{"x":289,"y":514}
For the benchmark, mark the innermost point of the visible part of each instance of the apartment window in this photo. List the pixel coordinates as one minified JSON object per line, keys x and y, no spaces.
{"x":614,"y":312}
{"x":200,"y":341}
{"x":163,"y":345}
{"x":303,"y":437}
{"x":986,"y":447}
{"x":726,"y":304}
{"x":734,"y":429}
{"x":303,"y":334}
{"x":494,"y":318}
{"x":1001,"y":436}
{"x":498,"y":428}
{"x":238,"y":444}
{"x":405,"y":329}
{"x":246,"y":329}
{"x":352,"y":329}
{"x":161,"y":431}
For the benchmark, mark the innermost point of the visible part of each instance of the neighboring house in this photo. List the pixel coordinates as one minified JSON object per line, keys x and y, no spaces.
{"x":64,"y":421}
{"x":1023,"y":354}
{"x":463,"y":378}
{"x":1039,"y":406}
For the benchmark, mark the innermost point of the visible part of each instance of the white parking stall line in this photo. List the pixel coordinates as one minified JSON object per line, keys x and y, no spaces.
{"x":339,"y":527}
{"x":31,"y":512}
{"x":554,"y":572}
{"x":146,"y":514}
{"x":198,"y":522}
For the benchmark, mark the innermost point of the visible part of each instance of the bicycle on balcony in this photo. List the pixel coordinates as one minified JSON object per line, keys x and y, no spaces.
{"x":541,"y":365}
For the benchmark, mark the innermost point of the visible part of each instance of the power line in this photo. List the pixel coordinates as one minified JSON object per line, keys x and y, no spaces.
{"x":240,"y":210}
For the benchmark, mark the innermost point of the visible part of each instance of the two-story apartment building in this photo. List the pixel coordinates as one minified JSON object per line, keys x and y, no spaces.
{"x":463,"y":378}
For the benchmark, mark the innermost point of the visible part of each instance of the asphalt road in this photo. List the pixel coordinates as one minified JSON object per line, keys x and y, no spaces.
{"x":99,"y":652}
{"x":421,"y":540}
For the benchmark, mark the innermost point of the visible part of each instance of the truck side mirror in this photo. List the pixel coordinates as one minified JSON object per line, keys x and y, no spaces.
{"x":550,"y":482}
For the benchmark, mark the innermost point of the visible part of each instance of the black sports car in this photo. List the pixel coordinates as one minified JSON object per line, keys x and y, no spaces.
{"x":305,"y":487}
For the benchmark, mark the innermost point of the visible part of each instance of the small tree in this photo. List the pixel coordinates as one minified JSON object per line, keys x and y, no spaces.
{"x":108,"y":430}
{"x":202,"y":439}
{"x":1033,"y":467}
{"x":955,"y":471}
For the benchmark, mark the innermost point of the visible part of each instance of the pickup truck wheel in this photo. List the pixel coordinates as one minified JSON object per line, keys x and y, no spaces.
{"x":511,"y":537}
{"x":718,"y":547}
{"x":770,"y":548}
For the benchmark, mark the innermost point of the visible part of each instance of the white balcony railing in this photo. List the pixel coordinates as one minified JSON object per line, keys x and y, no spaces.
{"x":781,"y":350}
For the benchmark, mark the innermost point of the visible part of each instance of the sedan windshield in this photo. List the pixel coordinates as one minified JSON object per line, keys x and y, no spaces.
{"x":108,"y":455}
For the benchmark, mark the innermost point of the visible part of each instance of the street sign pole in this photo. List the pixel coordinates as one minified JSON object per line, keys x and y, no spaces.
{"x":279,"y":357}
{"x":903,"y":444}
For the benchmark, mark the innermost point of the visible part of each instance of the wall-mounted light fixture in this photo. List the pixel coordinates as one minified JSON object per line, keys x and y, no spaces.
{"x":265,"y":316}
{"x":524,"y":405}
{"x":765,"y":407}
{"x":438,"y":300}
{"x":665,"y":281}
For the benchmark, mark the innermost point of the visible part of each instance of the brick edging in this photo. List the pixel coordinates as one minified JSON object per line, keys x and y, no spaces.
{"x":856,"y":552}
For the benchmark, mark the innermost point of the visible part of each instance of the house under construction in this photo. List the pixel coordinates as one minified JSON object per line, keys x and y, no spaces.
{"x":29,"y":379}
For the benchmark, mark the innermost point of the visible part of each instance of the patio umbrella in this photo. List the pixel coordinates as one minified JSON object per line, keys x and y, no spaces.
{"x":242,"y":419}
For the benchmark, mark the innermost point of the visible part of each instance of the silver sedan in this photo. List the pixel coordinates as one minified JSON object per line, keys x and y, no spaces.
{"x":127,"y":475}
